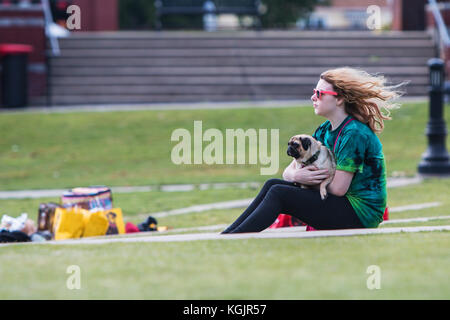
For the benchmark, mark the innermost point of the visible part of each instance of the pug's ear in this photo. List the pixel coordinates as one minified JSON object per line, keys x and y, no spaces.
{"x":306,"y":143}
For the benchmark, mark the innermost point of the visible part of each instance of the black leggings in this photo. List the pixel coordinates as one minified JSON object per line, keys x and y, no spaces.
{"x":279,"y":196}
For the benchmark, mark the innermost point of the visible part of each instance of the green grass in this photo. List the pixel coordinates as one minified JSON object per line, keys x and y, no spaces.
{"x":413,"y":266}
{"x":133,"y":148}
{"x":40,"y":151}
{"x":136,"y":206}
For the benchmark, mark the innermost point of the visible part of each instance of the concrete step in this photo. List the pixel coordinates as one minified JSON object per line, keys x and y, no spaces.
{"x":151,"y":67}
{"x":250,"y":43}
{"x":221,"y":70}
{"x":269,"y":34}
{"x":227,"y":52}
{"x":371,"y":60}
{"x":68,"y":80}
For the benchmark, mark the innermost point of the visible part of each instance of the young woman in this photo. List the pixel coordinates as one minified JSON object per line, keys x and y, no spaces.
{"x":352,"y":100}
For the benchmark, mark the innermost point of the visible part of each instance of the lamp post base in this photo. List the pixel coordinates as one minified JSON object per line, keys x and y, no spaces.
{"x":434,"y":168}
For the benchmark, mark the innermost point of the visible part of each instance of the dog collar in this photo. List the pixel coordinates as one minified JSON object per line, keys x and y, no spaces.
{"x":312,"y":159}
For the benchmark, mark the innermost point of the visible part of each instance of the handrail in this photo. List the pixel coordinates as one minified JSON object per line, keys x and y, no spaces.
{"x":442,"y":29}
{"x":48,"y":23}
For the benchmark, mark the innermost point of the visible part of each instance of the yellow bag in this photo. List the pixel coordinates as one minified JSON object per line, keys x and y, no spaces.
{"x":76,"y":222}
{"x":95,"y":224}
{"x":68,"y":223}
{"x":115,"y":219}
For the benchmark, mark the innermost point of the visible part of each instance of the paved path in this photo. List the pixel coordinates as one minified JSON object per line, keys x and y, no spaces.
{"x":261,"y":235}
{"x":221,"y":227}
{"x":179,"y":106}
{"x":292,"y":232}
{"x":233,"y":204}
{"x":165,"y":106}
{"x":246,"y":202}
{"x":47,"y":193}
{"x":243,"y":203}
{"x":419,"y":206}
{"x":418,"y":219}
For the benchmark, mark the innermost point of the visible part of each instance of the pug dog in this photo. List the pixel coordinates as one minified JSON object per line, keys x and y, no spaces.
{"x":308,"y":151}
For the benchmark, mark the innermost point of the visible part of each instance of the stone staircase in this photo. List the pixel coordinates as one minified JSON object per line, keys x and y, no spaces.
{"x":152,"y":67}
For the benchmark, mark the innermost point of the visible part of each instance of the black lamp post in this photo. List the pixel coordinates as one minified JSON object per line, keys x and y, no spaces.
{"x":435,"y":160}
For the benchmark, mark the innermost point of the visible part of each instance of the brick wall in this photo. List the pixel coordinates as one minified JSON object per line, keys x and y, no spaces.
{"x":98,"y":15}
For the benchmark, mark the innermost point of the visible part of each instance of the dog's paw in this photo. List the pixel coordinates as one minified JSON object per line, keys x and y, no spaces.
{"x":323,"y":194}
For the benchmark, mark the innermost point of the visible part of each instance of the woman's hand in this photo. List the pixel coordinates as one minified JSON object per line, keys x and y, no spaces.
{"x":310,"y":175}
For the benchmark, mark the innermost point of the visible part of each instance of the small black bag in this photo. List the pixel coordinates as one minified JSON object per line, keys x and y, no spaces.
{"x":150,"y":224}
{"x":13,"y":236}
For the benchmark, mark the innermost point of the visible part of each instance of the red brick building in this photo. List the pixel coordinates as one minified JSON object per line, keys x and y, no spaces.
{"x":352,"y":14}
{"x":98,"y":15}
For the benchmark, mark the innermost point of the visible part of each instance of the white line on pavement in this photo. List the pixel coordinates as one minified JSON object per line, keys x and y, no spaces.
{"x":246,"y":202}
{"x":260,"y":235}
{"x":203,"y":207}
{"x":419,"y":219}
{"x":415,"y":207}
{"x":223,"y":226}
{"x":295,"y":232}
{"x":43,"y":193}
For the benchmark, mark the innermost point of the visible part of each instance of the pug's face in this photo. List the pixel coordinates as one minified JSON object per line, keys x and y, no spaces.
{"x":300,"y":146}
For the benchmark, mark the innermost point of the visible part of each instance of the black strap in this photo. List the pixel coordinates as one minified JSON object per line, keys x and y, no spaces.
{"x":312,"y":159}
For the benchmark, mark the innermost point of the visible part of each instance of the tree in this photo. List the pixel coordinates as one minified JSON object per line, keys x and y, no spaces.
{"x":141,"y":14}
{"x":136,"y":14}
{"x":282,"y":14}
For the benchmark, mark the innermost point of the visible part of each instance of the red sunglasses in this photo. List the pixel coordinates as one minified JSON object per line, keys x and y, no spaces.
{"x":319,"y":93}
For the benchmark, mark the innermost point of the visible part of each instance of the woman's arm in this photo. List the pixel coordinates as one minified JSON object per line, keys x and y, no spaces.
{"x":309,"y":175}
{"x":341,"y":182}
{"x":288,"y":173}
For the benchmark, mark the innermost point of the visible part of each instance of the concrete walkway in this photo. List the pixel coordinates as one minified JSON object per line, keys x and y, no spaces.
{"x":278,"y":234}
{"x":220,"y":227}
{"x":180,"y":106}
{"x":164,"y":106}
{"x":243,"y":203}
{"x":48,"y":193}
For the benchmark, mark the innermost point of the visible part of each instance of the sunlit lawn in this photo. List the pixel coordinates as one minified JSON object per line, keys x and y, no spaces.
{"x":42,"y":151}
{"x":133,"y":148}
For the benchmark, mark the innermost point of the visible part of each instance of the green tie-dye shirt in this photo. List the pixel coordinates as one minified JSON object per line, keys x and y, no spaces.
{"x":359,"y":150}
